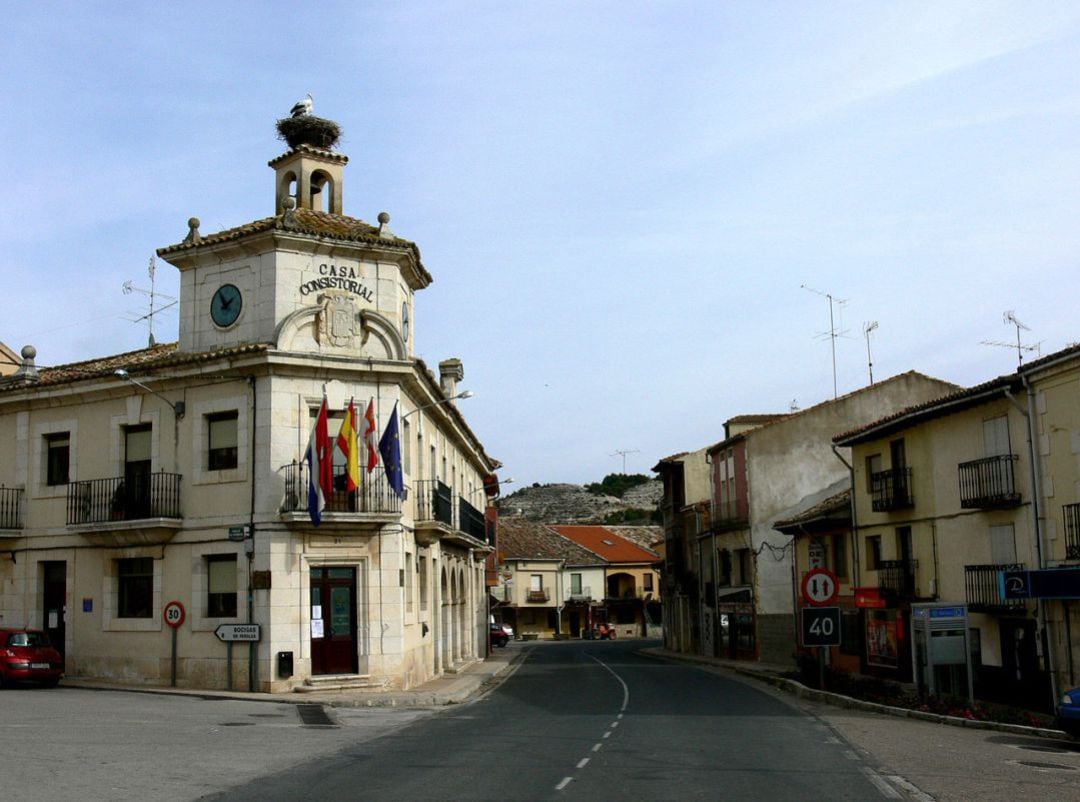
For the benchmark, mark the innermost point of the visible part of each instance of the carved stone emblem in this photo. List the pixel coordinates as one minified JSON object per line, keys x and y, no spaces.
{"x":339,"y":320}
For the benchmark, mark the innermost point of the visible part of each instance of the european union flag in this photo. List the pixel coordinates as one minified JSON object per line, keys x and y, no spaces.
{"x":390,"y":448}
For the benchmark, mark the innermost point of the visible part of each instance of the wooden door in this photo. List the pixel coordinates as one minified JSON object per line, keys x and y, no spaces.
{"x":333,"y":621}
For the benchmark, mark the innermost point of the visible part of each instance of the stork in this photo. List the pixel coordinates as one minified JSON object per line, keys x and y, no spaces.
{"x":302,"y":107}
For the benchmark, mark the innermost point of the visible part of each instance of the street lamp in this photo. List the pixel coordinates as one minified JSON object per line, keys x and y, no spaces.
{"x":461,"y":395}
{"x":178,"y":407}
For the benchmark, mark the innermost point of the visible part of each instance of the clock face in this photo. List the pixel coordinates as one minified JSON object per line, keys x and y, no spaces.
{"x":225,"y":305}
{"x":405,"y":321}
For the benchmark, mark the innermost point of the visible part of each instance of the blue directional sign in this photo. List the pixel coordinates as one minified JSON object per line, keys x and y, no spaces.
{"x":1052,"y":583}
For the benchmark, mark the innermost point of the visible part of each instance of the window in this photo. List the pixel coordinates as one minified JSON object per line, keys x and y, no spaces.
{"x":742,"y":556}
{"x":57,"y":458}
{"x":536,"y":582}
{"x":221,"y":453}
{"x":873,"y":465}
{"x":725,"y":568}
{"x":135,"y":588}
{"x":409,"y":582}
{"x":421,"y":569}
{"x":221,"y":586}
{"x":996,"y":436}
{"x":646,"y":583}
{"x":406,"y":447}
{"x":839,"y":555}
{"x":1002,"y":544}
{"x":575,"y":584}
{"x":873,"y":552}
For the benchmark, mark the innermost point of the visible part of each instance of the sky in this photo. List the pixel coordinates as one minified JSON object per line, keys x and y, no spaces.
{"x":638,"y":215}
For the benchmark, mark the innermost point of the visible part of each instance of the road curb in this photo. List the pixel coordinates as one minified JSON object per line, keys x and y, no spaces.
{"x":801,"y":691}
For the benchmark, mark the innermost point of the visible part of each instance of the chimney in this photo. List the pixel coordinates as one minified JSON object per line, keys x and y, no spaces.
{"x":451,"y":372}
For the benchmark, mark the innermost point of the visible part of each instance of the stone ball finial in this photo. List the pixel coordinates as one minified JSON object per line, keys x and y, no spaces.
{"x":384,"y":218}
{"x":194,"y":222}
{"x":289,"y":203}
{"x":29,"y":352}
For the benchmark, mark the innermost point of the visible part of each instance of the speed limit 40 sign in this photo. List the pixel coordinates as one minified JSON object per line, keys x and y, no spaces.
{"x":821,"y":626}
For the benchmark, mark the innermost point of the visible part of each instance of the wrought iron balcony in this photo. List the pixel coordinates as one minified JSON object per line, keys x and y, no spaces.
{"x":891,"y":489}
{"x":471,"y":521}
{"x":730,"y":515}
{"x":983,"y":589}
{"x":375,"y":495}
{"x":989,"y":483}
{"x":139,"y":497}
{"x":537,"y":596}
{"x":434,"y":502}
{"x":11,"y":508}
{"x":1071,"y":513}
{"x":896,"y":578}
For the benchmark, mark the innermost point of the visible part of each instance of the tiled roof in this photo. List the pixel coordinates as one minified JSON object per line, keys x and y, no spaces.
{"x":603,"y":541}
{"x":305,"y":222}
{"x":1072,"y":350}
{"x":522,"y":539}
{"x":758,"y":419}
{"x":834,"y":509}
{"x":936,"y":408}
{"x":136,"y":362}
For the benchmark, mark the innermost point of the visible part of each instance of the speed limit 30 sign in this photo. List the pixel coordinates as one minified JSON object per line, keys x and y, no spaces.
{"x":174,"y":614}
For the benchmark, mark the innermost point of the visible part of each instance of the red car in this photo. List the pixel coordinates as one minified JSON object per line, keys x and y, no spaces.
{"x":27,"y":656}
{"x":498,"y":636}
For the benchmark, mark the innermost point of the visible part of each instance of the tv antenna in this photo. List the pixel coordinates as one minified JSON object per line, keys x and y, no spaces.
{"x":622,"y":453}
{"x":129,"y":287}
{"x":832,"y":333}
{"x":1008,"y":318}
{"x":868,"y":327}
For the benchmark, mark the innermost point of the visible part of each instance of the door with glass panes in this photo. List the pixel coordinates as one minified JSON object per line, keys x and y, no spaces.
{"x":333,"y":621}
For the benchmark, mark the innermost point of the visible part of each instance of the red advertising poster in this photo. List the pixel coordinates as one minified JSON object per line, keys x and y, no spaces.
{"x":881,"y":638}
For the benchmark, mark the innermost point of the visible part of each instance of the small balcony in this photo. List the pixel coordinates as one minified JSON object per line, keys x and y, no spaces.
{"x":434,"y":502}
{"x":471,"y":521}
{"x":151,"y":495}
{"x":983,"y":588}
{"x":537,"y":596}
{"x":730,"y":516}
{"x":989,"y":483}
{"x":896,"y":579}
{"x":891,"y":489}
{"x":375,"y":496}
{"x":11,"y":514}
{"x":580,"y":594}
{"x":1071,"y":513}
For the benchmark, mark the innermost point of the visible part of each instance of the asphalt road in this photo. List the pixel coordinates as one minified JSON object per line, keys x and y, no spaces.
{"x":590,"y":721}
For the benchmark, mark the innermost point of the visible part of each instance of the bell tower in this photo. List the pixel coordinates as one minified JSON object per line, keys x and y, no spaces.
{"x":312,"y":177}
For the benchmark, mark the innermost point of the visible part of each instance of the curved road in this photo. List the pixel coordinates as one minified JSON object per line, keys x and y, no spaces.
{"x":589,"y":720}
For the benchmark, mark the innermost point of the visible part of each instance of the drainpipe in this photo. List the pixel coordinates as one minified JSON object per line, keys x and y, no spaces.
{"x":249,"y":549}
{"x":1037,"y":514}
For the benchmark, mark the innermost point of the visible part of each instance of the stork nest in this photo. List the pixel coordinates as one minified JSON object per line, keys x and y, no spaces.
{"x":309,"y":130}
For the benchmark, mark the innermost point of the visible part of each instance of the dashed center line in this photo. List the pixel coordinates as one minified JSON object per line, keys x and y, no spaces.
{"x":583,"y":762}
{"x":565,"y":782}
{"x":596,"y":747}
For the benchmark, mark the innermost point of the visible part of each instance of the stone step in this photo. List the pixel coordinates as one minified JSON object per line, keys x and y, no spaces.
{"x":337,"y":682}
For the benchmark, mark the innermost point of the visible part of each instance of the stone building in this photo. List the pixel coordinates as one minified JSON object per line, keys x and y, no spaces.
{"x":168,"y":485}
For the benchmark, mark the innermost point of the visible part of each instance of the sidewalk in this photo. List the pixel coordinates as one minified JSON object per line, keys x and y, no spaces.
{"x":449,"y":689}
{"x":774,"y":675}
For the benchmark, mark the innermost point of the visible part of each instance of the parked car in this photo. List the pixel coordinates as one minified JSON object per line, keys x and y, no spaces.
{"x":1068,"y":712}
{"x":498,"y":636}
{"x":27,"y":656}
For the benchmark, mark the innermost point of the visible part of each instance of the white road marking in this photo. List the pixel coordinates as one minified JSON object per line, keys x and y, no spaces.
{"x":583,"y":762}
{"x":614,"y":724}
{"x":607,"y":734}
{"x":911,"y":790}
{"x":565,"y":782}
{"x":625,"y":689}
{"x":886,"y":790}
{"x":596,"y":748}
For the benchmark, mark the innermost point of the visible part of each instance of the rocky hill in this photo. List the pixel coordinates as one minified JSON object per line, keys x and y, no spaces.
{"x":573,"y":504}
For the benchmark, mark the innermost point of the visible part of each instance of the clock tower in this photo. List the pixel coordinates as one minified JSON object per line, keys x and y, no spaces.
{"x":309,"y":279}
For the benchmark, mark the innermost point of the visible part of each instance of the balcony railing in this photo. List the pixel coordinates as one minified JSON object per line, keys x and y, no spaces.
{"x":471,"y":520}
{"x":983,"y":589}
{"x":1071,"y":513}
{"x":434,"y":502}
{"x":891,"y":489}
{"x":989,"y":483}
{"x":730,"y":515}
{"x":581,"y":594}
{"x":537,"y":596}
{"x":375,"y":495}
{"x":11,"y":508}
{"x":152,"y":495}
{"x":896,"y":578}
